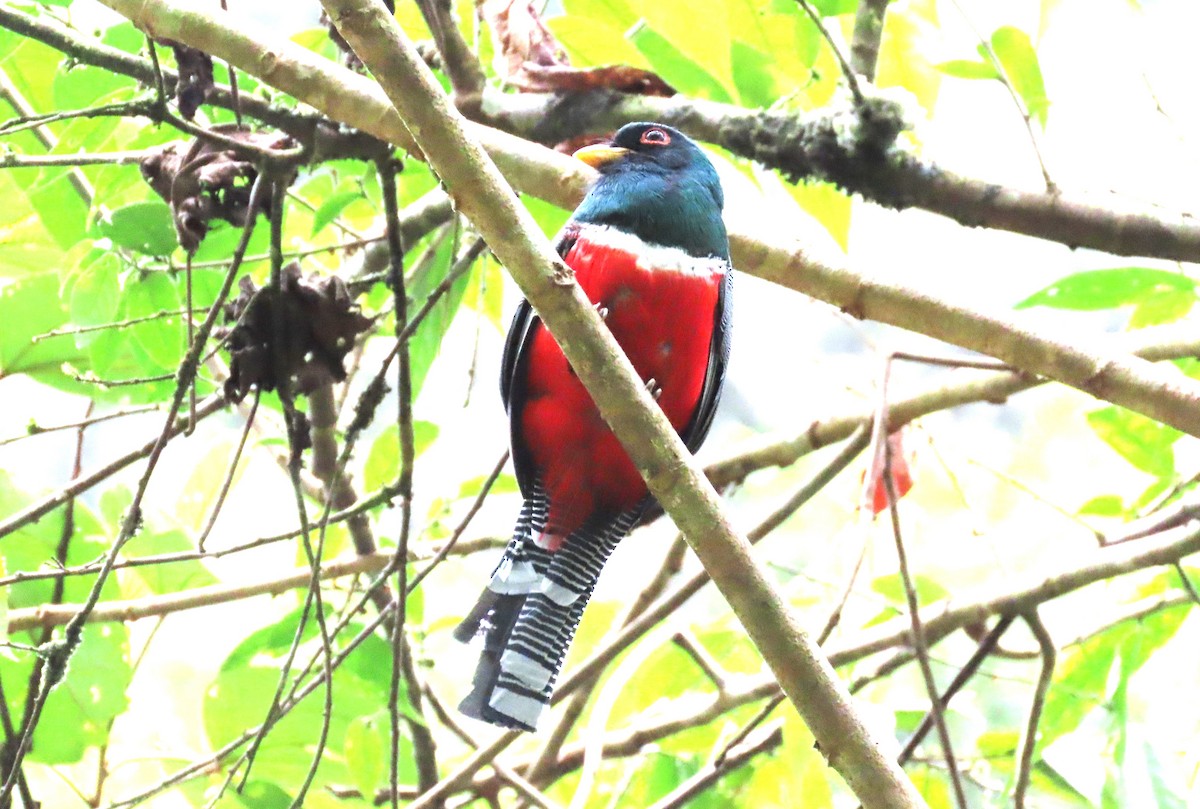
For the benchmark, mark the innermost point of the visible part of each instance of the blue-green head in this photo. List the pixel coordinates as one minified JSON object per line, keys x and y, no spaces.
{"x":657,"y":184}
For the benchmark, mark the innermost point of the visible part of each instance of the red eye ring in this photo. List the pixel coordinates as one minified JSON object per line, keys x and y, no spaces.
{"x":655,"y":137}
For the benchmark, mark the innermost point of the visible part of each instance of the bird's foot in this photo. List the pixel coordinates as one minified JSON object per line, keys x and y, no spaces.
{"x":654,"y":388}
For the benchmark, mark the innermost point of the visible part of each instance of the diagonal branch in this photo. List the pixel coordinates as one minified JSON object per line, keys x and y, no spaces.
{"x":1161,"y":394}
{"x":905,"y":181}
{"x":481,"y":193}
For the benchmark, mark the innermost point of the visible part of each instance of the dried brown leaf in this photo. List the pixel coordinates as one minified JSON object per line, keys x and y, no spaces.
{"x":195,"y":77}
{"x":529,"y":58}
{"x":619,"y":78}
{"x":203,"y":181}
{"x":319,"y":324}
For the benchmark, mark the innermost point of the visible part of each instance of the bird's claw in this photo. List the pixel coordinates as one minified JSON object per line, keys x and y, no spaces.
{"x":654,"y":389}
{"x":601,"y":310}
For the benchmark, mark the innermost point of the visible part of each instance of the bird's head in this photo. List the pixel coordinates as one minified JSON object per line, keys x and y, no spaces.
{"x":656,"y":183}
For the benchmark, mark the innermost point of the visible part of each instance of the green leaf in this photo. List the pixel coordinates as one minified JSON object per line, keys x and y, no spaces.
{"x":332,"y":208}
{"x":657,"y":775}
{"x":59,"y":206}
{"x":95,"y":294}
{"x":1109,"y":288}
{"x":704,"y":44}
{"x":591,"y":42}
{"x":620,"y":13}
{"x":162,"y":338}
{"x":967,"y":69}
{"x":364,"y":751}
{"x":908,"y":31}
{"x":3,"y":607}
{"x":892,"y":587}
{"x":1082,"y":676}
{"x":828,"y":204}
{"x":261,"y":795}
{"x":383,"y":461}
{"x":83,"y":86}
{"x":88,"y":700}
{"x":167,"y":578}
{"x":754,"y":76}
{"x":240,"y":693}
{"x":994,"y":743}
{"x":79,"y":711}
{"x":1166,"y":795}
{"x":1144,"y":442}
{"x":1162,"y":306}
{"x":485,"y":293}
{"x":505,"y":484}
{"x":833,"y":8}
{"x":30,"y":306}
{"x":1017,"y":56}
{"x":677,"y":69}
{"x":1104,"y":505}
{"x":144,"y":227}
{"x":1051,"y":782}
{"x":316,"y":40}
{"x":425,"y":344}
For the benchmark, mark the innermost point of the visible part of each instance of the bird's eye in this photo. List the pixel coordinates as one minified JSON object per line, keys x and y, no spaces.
{"x":655,"y":137}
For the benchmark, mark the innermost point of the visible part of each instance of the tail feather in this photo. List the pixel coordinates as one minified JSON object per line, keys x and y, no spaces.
{"x":529,"y":614}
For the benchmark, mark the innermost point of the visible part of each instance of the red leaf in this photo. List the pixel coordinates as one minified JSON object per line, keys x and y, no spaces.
{"x":902,"y":482}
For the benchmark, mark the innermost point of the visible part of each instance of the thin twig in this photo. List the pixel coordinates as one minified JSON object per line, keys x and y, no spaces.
{"x":229,"y":475}
{"x":701,"y":781}
{"x":13,"y":160}
{"x":1186,"y":581}
{"x":452,"y":541}
{"x":961,"y":677}
{"x":402,"y":664}
{"x":985,"y":47}
{"x":527,"y":790}
{"x":10,"y":93}
{"x":689,"y":643}
{"x":64,"y":649}
{"x":115,"y":324}
{"x":1029,"y":737}
{"x":919,"y":642}
{"x":35,"y":429}
{"x":847,"y":71}
{"x":233,"y":84}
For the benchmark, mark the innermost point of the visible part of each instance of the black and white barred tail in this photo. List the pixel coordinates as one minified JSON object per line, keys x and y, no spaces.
{"x":529,"y":613}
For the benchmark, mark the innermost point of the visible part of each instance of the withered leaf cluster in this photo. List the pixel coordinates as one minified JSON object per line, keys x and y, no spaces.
{"x":203,"y":180}
{"x":195,"y":77}
{"x":530,"y":58}
{"x":317,"y":326}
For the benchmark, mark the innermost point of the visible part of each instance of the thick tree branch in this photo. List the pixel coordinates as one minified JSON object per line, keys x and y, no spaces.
{"x":460,"y":64}
{"x":908,"y":181}
{"x":480,"y":192}
{"x":1162,"y":394}
{"x":969,"y":386}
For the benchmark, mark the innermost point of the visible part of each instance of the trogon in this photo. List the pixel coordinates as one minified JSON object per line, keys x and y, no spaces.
{"x":648,"y":247}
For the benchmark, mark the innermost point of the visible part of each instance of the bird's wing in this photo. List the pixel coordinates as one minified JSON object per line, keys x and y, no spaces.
{"x":718,"y":360}
{"x":524,"y":326}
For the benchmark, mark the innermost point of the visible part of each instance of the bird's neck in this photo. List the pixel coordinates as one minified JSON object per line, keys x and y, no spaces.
{"x":677,"y":213}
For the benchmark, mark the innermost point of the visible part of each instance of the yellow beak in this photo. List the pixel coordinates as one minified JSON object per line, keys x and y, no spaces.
{"x":600,"y":154}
